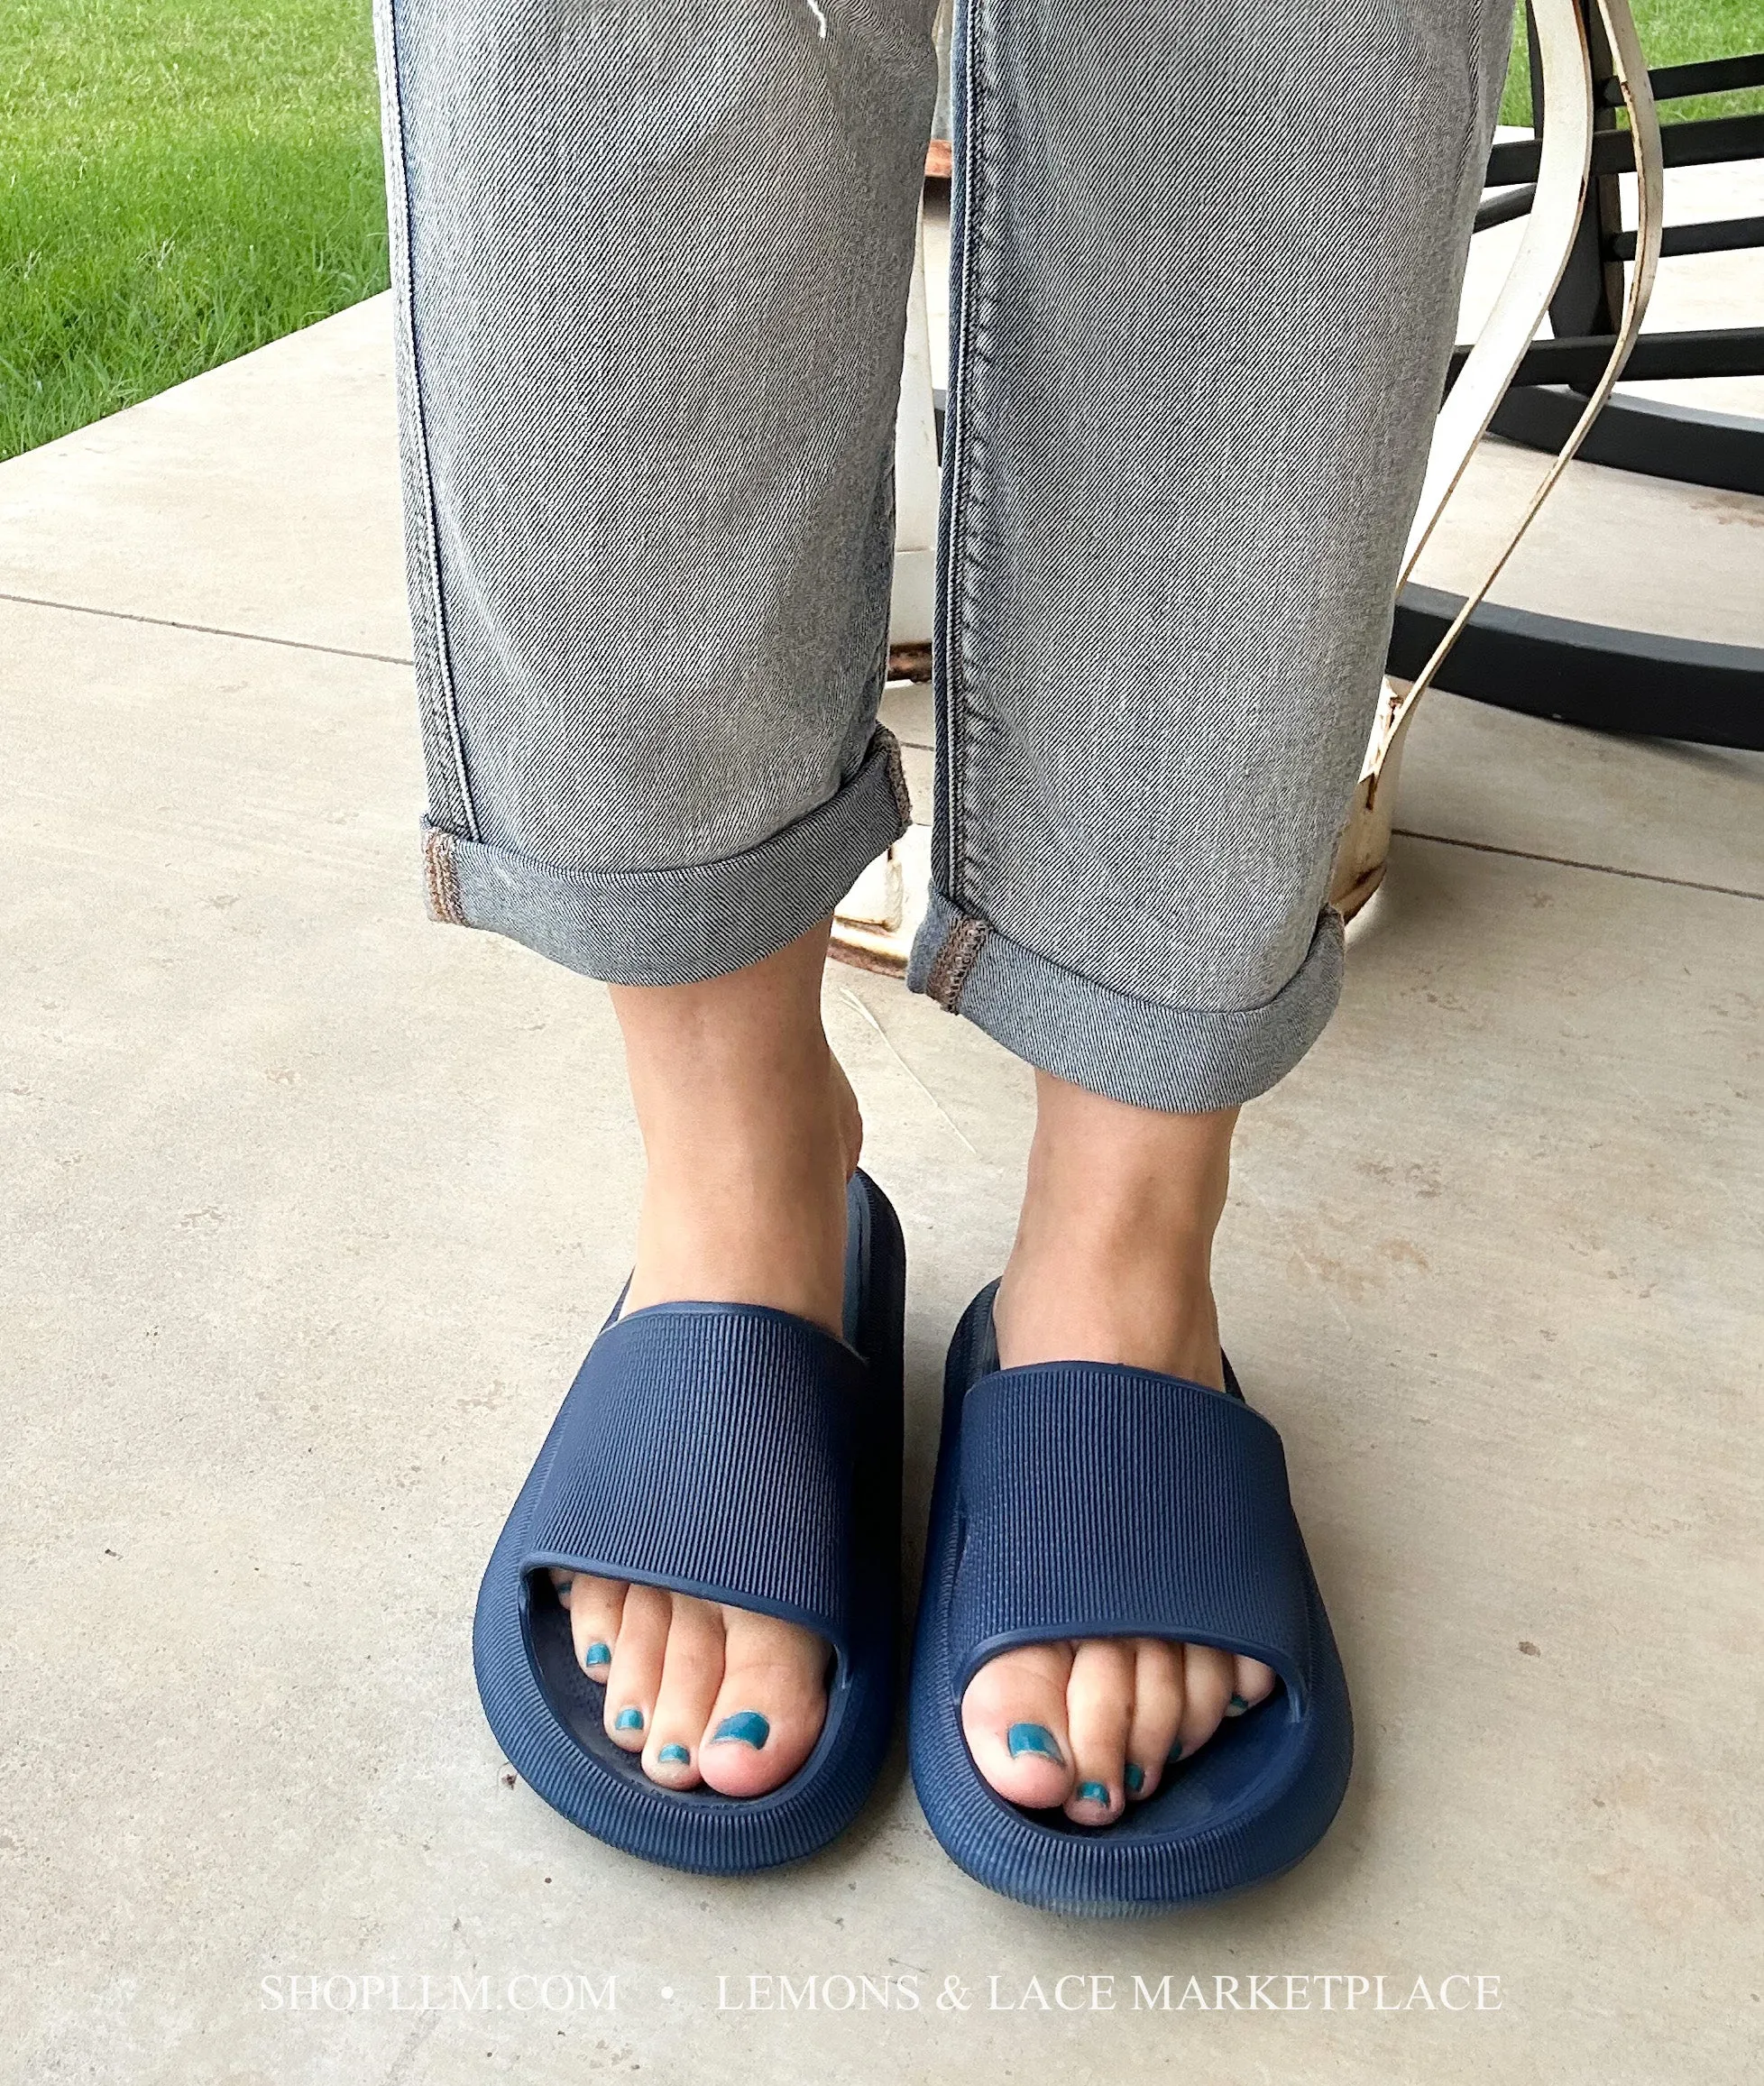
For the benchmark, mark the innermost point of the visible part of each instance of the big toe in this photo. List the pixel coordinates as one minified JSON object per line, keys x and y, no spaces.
{"x":1014,"y":1718}
{"x":769,"y":1709}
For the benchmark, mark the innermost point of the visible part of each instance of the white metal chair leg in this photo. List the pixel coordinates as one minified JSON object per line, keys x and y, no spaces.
{"x":877,"y":918}
{"x":1564,"y":160}
{"x":916,"y":475}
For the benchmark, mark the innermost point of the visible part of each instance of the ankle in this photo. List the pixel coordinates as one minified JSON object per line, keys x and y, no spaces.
{"x":738,"y":1070}
{"x":744,"y":1199}
{"x":1143,"y":1312}
{"x":1113,"y":1257}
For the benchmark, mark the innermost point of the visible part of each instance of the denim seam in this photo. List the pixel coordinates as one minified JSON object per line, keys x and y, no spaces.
{"x":460,"y":812}
{"x":440,"y":879}
{"x":957,"y":576}
{"x":878,"y":680}
{"x":897,"y":783}
{"x":968,"y":832}
{"x":955,"y":961}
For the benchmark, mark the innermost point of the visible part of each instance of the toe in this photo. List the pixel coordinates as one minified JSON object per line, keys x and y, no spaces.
{"x":1098,"y":1715}
{"x":1251,"y":1683}
{"x":1157,"y":1713}
{"x":770,"y":1707}
{"x":691,"y":1672}
{"x":1014,"y":1718}
{"x":595,"y":1608}
{"x":1209,"y":1678}
{"x":634,"y":1673}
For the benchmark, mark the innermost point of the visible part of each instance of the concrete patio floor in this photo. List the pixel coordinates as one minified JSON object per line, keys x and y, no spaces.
{"x":311,"y":1208}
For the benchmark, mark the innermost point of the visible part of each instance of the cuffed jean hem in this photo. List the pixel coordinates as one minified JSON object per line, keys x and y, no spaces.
{"x":1180,"y":1059}
{"x":676,"y":926}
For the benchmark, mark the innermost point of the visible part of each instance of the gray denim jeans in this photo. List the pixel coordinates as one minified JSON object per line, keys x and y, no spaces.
{"x":651,"y":264}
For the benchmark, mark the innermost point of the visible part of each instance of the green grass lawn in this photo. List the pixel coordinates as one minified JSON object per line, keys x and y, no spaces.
{"x":181,"y":181}
{"x":1672,"y":33}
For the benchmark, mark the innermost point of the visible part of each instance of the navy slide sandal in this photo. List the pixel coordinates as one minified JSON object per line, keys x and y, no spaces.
{"x":1084,"y":1499}
{"x":745,"y":1456}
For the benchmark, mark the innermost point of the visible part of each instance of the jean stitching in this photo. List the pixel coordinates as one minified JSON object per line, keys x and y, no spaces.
{"x":877,"y":680}
{"x":441,"y":879}
{"x":897,"y":775}
{"x":398,"y":195}
{"x":968,"y":832}
{"x":957,"y":576}
{"x":955,"y":961}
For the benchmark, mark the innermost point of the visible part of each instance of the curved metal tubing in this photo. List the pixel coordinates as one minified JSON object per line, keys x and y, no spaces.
{"x":1632,"y":72}
{"x":1565,"y":161}
{"x":1564,"y":169}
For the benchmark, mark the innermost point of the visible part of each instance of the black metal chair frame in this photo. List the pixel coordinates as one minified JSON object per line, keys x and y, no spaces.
{"x":1601,"y":675}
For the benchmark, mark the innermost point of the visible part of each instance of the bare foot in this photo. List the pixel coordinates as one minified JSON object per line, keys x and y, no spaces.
{"x":751,"y":1132}
{"x":1112,"y":1263}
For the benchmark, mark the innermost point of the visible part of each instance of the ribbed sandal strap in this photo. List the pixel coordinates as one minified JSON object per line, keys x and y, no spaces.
{"x":709,"y":1447}
{"x":1098,"y":1500}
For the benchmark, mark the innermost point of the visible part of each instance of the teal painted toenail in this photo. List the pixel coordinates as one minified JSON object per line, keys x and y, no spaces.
{"x":1135,"y":1777}
{"x":597,"y":1655}
{"x":1176,"y":1750}
{"x":1033,"y":1738}
{"x":1236,"y":1706}
{"x":629,"y":1720}
{"x":1093,"y":1793}
{"x":674,"y":1756}
{"x":746,"y":1727}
